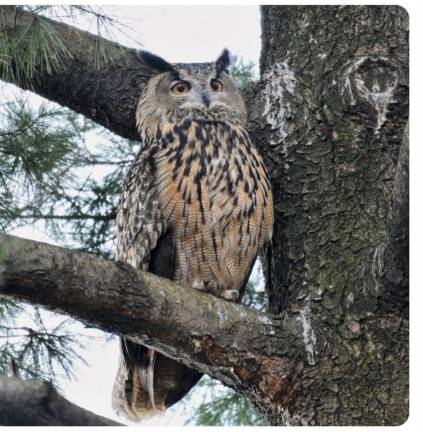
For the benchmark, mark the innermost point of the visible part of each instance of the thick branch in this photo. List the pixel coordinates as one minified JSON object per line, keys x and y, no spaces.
{"x":243,"y":348}
{"x":36,"y":403}
{"x":107,"y":93}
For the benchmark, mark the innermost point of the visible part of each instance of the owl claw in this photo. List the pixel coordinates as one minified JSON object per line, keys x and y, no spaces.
{"x":150,"y":377}
{"x":198,"y":284}
{"x":231,"y":295}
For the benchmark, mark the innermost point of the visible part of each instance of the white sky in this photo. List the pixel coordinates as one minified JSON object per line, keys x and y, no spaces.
{"x":194,"y":33}
{"x":179,"y":34}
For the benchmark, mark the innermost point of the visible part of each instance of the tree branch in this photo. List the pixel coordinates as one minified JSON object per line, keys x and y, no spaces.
{"x":37,"y":403}
{"x":107,"y":93}
{"x":253,"y":352}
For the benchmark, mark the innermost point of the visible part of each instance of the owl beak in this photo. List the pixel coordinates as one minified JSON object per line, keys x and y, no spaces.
{"x":205,"y":98}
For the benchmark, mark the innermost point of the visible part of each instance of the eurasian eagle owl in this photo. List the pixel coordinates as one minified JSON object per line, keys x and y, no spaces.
{"x":196,"y":207}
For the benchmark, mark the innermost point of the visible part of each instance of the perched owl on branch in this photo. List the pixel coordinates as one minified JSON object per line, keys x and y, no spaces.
{"x":196,"y":208}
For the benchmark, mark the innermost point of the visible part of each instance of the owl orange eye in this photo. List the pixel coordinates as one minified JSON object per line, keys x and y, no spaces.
{"x":216,"y":85}
{"x":181,"y":87}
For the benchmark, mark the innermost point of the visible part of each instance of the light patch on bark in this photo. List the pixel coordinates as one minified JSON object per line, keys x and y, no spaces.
{"x":291,"y":419}
{"x":279,"y":80}
{"x":378,"y":98}
{"x":348,"y":78}
{"x":286,"y":417}
{"x":350,"y":299}
{"x":377,"y":266}
{"x":220,"y":314}
{"x":309,"y":337}
{"x":241,"y":311}
{"x":265,"y":320}
{"x":346,"y":168}
{"x":379,"y":89}
{"x":317,"y":294}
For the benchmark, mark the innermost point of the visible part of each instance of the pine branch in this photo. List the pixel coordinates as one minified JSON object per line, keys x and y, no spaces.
{"x":36,"y":403}
{"x":250,"y":351}
{"x":106,"y":92}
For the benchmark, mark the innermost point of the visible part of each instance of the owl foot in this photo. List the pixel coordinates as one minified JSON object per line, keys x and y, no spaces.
{"x":231,"y":295}
{"x":198,"y":284}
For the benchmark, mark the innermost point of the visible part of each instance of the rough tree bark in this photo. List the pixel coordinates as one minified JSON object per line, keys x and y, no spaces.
{"x":329,"y":115}
{"x":231,"y":342}
{"x":106,"y":92}
{"x":35,"y":403}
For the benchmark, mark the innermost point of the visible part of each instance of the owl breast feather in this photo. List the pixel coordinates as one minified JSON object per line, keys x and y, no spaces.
{"x":215,"y":198}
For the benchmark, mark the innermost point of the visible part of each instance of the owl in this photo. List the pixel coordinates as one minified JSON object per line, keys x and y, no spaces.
{"x":196,"y":207}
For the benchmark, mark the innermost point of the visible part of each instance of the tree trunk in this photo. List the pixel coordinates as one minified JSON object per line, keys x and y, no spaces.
{"x":329,"y":116}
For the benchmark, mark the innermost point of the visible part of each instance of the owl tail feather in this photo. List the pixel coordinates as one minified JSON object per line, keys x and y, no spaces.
{"x":148,"y":382}
{"x":147,"y":376}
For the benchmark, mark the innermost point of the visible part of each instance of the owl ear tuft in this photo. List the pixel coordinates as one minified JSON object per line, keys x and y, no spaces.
{"x":153,"y":61}
{"x":223,"y":62}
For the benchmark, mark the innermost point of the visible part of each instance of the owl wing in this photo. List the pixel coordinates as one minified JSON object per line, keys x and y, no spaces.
{"x":146,"y":381}
{"x":139,"y":221}
{"x":141,"y":242}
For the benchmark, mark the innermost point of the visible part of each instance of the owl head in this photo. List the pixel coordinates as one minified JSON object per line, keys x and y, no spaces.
{"x":203,"y":91}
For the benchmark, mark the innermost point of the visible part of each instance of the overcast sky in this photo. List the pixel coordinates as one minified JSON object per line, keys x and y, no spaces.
{"x":179,"y":34}
{"x":192,"y":33}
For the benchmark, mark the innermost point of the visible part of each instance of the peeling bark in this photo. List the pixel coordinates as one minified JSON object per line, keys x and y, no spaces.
{"x":37,"y":403}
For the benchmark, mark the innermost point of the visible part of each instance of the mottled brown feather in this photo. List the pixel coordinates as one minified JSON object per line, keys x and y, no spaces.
{"x":199,"y":187}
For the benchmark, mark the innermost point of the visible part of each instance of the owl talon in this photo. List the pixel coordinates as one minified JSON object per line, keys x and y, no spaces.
{"x":198,"y":284}
{"x":231,"y":295}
